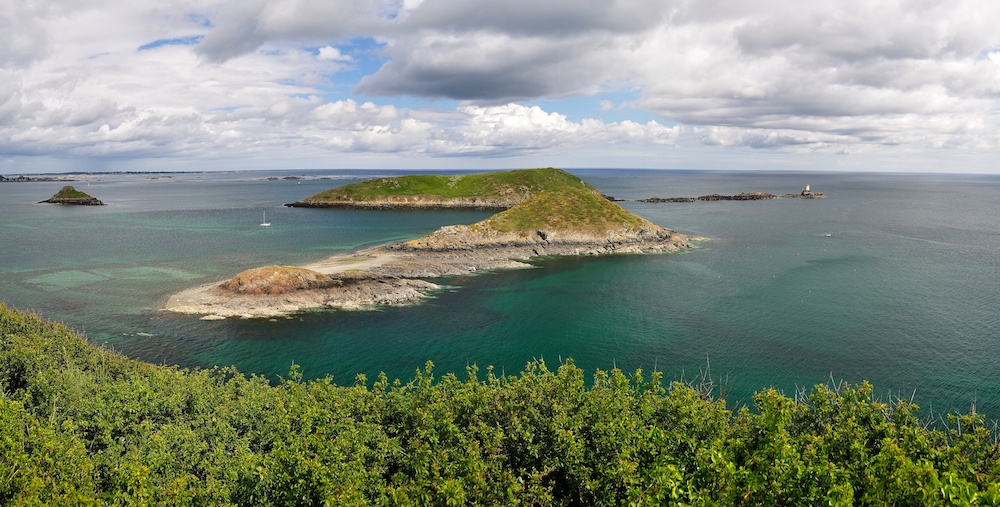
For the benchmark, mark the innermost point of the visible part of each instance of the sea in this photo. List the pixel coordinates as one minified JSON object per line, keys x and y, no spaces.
{"x":892,"y":279}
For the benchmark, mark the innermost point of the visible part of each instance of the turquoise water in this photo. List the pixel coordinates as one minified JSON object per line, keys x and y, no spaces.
{"x":893,"y":278}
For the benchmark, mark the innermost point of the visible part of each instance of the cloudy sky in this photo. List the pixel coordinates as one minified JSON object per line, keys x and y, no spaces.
{"x":893,"y":85}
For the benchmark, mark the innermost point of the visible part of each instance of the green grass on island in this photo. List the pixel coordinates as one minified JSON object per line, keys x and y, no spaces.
{"x":81,"y":425}
{"x":520,"y":183}
{"x":69,"y":192}
{"x":569,"y":209}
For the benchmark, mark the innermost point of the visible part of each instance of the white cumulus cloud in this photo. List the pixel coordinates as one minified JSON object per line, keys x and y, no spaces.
{"x":426,"y":79}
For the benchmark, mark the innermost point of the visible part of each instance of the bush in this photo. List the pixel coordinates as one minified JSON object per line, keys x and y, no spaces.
{"x":82,"y":425}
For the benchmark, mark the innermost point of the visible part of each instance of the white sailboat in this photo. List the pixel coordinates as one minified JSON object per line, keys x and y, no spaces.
{"x":264,"y":222}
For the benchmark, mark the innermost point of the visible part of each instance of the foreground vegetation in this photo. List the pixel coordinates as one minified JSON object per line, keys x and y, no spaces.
{"x":496,"y":185}
{"x":81,"y":425}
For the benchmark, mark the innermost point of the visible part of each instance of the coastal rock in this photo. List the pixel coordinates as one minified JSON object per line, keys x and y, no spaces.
{"x":669,"y":199}
{"x":387,"y":275}
{"x":754,"y":196}
{"x":70,"y":195}
{"x":807,"y":193}
{"x":745,"y":196}
{"x":276,"y":280}
{"x":464,"y":237}
{"x":266,"y":296}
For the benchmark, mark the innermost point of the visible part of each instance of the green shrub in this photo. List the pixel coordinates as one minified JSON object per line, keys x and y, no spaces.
{"x":81,"y":425}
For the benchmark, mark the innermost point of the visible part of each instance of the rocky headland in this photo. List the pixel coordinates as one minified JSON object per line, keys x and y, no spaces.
{"x":70,"y":195}
{"x":570,"y":221}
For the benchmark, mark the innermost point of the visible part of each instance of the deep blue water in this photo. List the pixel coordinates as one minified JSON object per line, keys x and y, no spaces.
{"x":893,"y":279}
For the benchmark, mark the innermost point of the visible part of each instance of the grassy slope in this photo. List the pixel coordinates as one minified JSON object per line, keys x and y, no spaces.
{"x":84,"y":426}
{"x":485,"y":185}
{"x":68,"y":192}
{"x":569,"y":209}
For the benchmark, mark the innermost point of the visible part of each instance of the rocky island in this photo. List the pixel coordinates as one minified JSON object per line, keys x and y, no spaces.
{"x":573,"y":219}
{"x":807,"y":193}
{"x":70,"y":195}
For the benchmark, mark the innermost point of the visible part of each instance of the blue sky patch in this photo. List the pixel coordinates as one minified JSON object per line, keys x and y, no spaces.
{"x":200,"y":19}
{"x":190,"y":40}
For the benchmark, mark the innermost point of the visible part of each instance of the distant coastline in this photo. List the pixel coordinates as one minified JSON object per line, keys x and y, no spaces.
{"x":33,"y":179}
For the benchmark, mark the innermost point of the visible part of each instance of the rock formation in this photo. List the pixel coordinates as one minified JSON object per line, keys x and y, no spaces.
{"x":274,"y":291}
{"x":745,"y":196}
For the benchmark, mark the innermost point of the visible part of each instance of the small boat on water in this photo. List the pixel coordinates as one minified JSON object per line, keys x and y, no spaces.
{"x":264,"y":222}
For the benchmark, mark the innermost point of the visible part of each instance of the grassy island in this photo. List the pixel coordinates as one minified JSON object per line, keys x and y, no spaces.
{"x":568,"y":221}
{"x":70,"y":192}
{"x":81,"y":425}
{"x":571,"y":209}
{"x":70,"y":195}
{"x":495,"y":190}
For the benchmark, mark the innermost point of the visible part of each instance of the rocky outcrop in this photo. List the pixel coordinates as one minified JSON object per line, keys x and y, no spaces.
{"x":745,"y":196}
{"x":390,"y":271}
{"x":465,"y":237}
{"x":454,"y":259}
{"x":280,"y":290}
{"x":86,"y":201}
{"x":275,"y":280}
{"x":669,"y":199}
{"x":70,"y":195}
{"x":276,"y":291}
{"x":808,"y":193}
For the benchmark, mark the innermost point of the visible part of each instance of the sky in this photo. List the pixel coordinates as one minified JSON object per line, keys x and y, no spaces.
{"x":178,"y":85}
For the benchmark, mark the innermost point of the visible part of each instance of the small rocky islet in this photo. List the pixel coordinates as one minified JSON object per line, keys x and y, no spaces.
{"x":806,"y":193}
{"x":546,"y":212}
{"x":72,"y":196}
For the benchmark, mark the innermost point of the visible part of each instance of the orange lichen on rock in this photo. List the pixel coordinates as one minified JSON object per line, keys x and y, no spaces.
{"x":277,"y":280}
